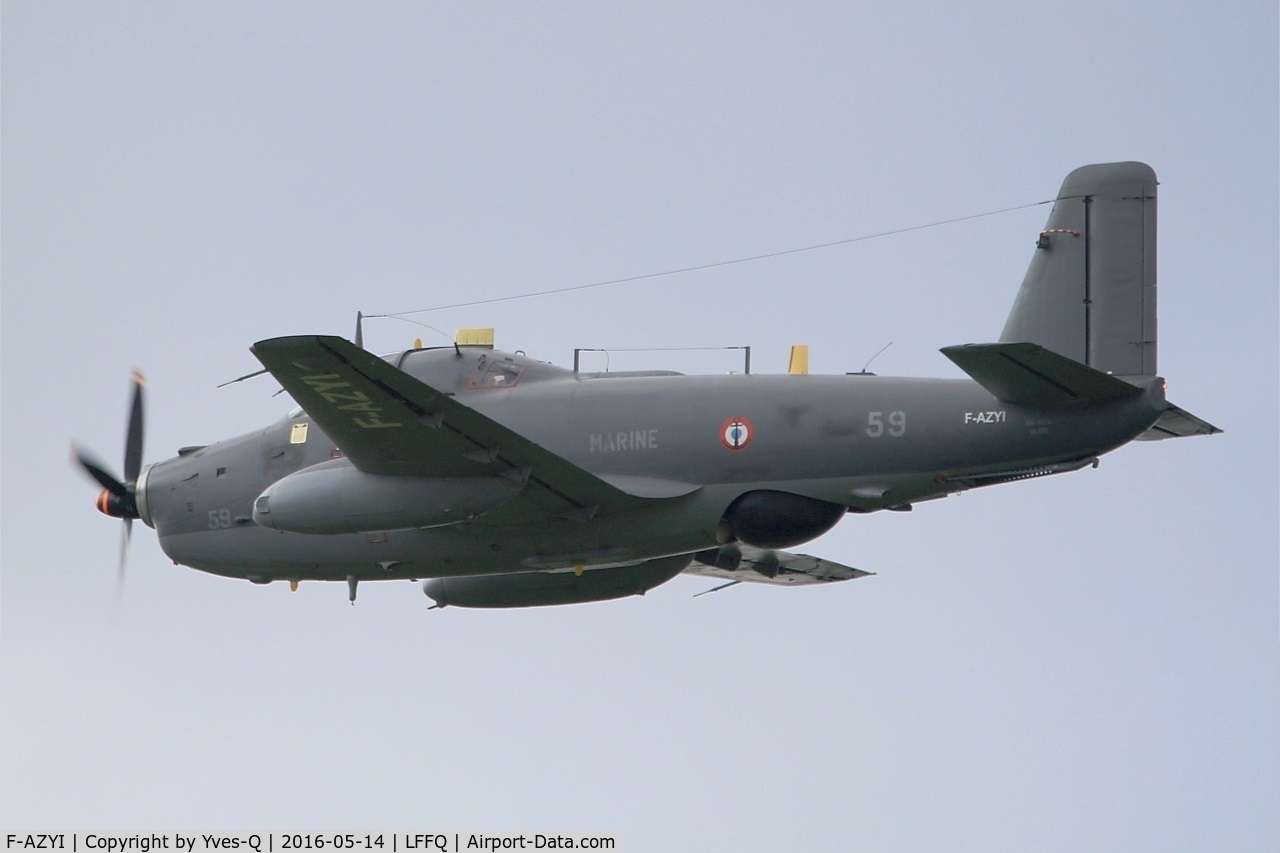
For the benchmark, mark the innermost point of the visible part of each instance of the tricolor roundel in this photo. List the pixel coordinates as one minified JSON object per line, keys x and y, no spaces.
{"x":736,"y":433}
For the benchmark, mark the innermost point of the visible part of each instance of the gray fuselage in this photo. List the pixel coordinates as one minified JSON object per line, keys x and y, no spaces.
{"x":690,"y":445}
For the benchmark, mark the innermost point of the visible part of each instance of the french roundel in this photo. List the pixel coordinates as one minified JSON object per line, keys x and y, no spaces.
{"x":736,"y":433}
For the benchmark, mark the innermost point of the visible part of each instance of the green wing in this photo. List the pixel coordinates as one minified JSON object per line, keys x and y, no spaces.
{"x":387,"y":422}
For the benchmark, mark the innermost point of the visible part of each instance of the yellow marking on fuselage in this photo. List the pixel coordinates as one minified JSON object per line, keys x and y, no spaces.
{"x":327,"y":385}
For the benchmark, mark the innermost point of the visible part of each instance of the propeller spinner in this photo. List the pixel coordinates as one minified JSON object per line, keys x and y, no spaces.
{"x":118,"y":498}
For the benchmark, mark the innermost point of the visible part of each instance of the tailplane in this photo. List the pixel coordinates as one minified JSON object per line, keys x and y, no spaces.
{"x":1090,"y":291}
{"x":1030,"y":375}
{"x":1178,"y":423}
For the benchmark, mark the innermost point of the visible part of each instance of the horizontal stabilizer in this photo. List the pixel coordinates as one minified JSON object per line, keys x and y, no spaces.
{"x":1177,"y":423}
{"x":1025,"y":374}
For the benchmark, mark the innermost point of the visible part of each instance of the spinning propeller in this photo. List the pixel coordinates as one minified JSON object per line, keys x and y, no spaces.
{"x":118,"y":498}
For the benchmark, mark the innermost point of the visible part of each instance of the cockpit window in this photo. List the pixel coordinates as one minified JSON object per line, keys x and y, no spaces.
{"x":499,"y":373}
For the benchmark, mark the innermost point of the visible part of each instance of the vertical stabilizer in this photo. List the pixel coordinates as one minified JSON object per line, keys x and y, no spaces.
{"x":1090,"y":292}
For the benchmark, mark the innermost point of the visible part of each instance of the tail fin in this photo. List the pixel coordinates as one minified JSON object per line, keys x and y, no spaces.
{"x":1090,"y":292}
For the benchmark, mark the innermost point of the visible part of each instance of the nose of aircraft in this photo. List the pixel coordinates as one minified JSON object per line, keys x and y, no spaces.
{"x":118,"y":498}
{"x":115,"y":505}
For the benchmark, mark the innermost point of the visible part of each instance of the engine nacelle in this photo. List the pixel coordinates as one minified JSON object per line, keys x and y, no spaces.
{"x":768,"y":519}
{"x":538,"y":589}
{"x":334,"y":497}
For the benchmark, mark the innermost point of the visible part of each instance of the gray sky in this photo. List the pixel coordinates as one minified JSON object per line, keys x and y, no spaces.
{"x":1083,"y":662}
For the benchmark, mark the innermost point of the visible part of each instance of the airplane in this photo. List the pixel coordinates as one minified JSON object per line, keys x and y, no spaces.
{"x":503,"y":481}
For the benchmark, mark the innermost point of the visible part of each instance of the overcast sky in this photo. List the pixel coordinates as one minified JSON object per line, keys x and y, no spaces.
{"x":1082,"y":662}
